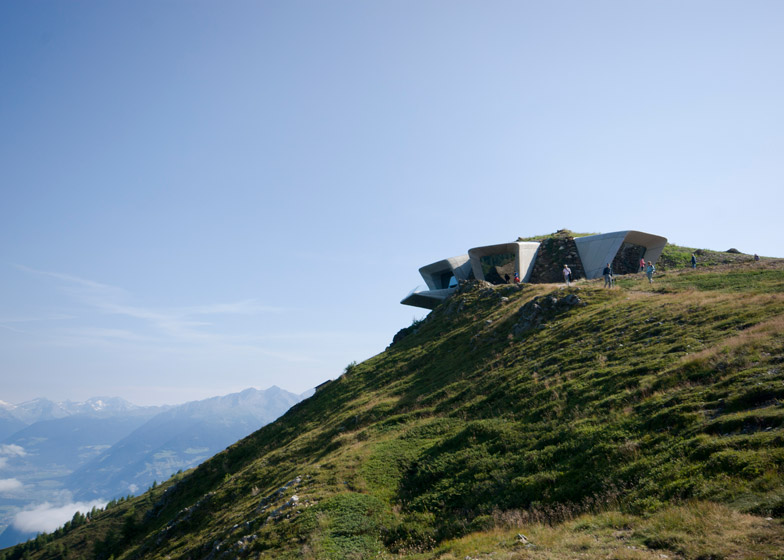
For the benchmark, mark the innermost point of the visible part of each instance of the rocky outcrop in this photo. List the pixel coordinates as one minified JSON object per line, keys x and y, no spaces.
{"x":541,"y":309}
{"x":404,"y":332}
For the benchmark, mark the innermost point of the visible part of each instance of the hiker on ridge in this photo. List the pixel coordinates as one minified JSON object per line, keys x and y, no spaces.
{"x":693,"y":260}
{"x":649,"y":271}
{"x":608,"y":276}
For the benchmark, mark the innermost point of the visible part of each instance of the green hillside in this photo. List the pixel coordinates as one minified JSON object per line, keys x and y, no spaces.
{"x":644,"y":421}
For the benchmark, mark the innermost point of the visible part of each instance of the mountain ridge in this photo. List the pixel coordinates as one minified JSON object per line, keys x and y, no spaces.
{"x":506,"y":405}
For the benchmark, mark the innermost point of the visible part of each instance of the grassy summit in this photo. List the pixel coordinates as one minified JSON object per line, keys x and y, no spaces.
{"x":627,"y":423}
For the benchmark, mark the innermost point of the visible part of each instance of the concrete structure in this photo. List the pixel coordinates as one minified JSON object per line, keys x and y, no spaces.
{"x":623,"y":249}
{"x":441,"y":278}
{"x":445,"y":274}
{"x":506,"y":258}
{"x":491,"y":263}
{"x":427,"y":299}
{"x":498,"y":263}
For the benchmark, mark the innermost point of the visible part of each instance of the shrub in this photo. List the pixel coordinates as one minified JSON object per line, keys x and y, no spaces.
{"x":347,"y":525}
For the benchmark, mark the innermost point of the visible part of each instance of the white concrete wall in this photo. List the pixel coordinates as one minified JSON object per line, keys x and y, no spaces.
{"x":526,"y":259}
{"x":597,"y":250}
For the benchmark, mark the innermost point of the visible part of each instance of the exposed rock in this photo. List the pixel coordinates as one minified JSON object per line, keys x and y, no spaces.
{"x":541,"y":309}
{"x":454,"y":307}
{"x":403,"y":333}
{"x":290,"y":503}
{"x":266,"y":500}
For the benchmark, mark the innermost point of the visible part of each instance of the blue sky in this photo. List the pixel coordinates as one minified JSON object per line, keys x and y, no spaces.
{"x":199,"y":197}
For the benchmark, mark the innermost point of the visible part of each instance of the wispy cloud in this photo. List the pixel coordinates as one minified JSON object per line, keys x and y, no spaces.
{"x":12,"y":329}
{"x":33,"y":319}
{"x":46,"y":517}
{"x":186,"y":324}
{"x":74,"y":281}
{"x":6,"y":322}
{"x":107,"y":334}
{"x":9,"y":485}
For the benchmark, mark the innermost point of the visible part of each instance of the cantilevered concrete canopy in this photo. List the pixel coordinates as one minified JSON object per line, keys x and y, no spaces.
{"x":524,"y":253}
{"x":598,"y":250}
{"x":441,"y":278}
{"x":427,"y":299}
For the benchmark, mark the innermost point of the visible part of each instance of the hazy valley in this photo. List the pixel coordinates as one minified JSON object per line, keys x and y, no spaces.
{"x":57,"y":457}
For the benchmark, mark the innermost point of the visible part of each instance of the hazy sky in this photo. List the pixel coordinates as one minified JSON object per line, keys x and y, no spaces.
{"x":199,"y":197}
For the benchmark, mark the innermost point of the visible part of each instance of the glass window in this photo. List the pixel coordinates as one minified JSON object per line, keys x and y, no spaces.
{"x":498,"y":268}
{"x":446,"y":280}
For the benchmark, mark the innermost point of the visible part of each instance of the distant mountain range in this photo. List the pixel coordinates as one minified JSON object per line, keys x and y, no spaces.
{"x":178,"y":439}
{"x":58,"y":453}
{"x":14,"y":417}
{"x":44,"y":409}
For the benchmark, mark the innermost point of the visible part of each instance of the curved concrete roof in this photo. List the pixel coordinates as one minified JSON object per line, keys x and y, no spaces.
{"x":598,"y":250}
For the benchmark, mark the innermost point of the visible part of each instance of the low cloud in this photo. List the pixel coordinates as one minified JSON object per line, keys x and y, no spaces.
{"x":9,"y":484}
{"x":7,"y":451}
{"x":46,"y":517}
{"x":12,"y":450}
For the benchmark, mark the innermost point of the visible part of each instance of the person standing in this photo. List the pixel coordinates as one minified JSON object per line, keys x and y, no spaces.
{"x":693,"y":260}
{"x":567,"y":272}
{"x":650,"y":269}
{"x":516,"y":278}
{"x":608,"y":276}
{"x":642,"y":265}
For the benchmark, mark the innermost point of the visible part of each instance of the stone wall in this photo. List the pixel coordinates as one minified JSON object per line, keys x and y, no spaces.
{"x":554,"y":252}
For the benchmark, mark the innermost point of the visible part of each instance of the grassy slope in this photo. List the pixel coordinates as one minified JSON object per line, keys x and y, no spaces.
{"x":656,"y":402}
{"x":675,"y":257}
